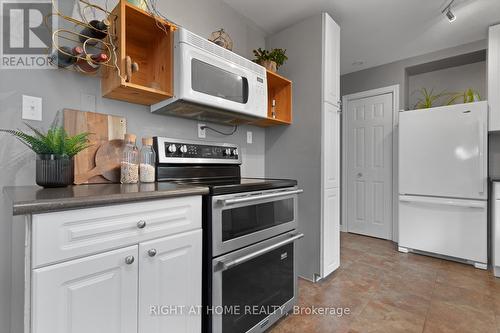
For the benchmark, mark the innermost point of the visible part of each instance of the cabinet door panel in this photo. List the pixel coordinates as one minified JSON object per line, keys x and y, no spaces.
{"x":494,"y":77}
{"x":331,"y":146}
{"x":95,"y":294}
{"x":170,"y":279}
{"x":331,"y":60}
{"x":330,"y":258}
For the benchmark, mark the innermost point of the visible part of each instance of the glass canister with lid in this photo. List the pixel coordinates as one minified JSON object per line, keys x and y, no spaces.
{"x":129,"y":168}
{"x":147,"y":161}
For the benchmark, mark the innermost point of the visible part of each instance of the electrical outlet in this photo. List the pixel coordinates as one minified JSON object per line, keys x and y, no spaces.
{"x":32,"y":108}
{"x":249,"y":137}
{"x":201,"y":131}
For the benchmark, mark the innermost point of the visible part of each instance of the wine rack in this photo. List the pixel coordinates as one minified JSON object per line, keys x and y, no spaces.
{"x":70,"y":34}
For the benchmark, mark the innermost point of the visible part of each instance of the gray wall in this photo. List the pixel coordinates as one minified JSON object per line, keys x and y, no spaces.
{"x":395,"y":73}
{"x":295,"y":151}
{"x":454,"y":79}
{"x":62,"y":89}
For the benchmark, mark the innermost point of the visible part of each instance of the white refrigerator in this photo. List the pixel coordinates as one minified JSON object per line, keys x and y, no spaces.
{"x":443,"y":188}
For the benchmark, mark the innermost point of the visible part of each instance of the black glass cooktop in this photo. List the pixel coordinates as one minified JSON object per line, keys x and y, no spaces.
{"x":236,"y":185}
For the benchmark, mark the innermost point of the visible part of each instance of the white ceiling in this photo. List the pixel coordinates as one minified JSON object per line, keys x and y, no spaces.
{"x":378,"y":32}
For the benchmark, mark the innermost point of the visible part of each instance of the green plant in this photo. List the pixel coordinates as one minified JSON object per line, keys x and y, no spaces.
{"x":56,"y":141}
{"x":468,"y":96}
{"x":428,"y":98}
{"x":276,"y":55}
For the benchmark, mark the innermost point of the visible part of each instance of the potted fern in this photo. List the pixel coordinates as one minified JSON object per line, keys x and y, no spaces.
{"x":271,"y":60}
{"x":55,"y":150}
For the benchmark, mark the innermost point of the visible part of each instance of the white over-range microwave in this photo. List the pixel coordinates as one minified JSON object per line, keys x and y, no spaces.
{"x":212,"y":83}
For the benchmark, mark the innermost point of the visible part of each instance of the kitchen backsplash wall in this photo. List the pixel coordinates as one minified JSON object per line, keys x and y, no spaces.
{"x":64,"y":89}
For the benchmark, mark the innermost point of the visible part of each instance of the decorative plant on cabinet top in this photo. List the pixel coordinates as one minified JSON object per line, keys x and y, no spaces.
{"x":428,"y":99}
{"x":144,"y":49}
{"x":271,"y":60}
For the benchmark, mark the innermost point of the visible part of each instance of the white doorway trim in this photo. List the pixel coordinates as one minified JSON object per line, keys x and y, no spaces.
{"x":394,"y":90}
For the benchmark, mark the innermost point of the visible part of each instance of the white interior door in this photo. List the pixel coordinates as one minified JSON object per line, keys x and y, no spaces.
{"x":368,"y":144}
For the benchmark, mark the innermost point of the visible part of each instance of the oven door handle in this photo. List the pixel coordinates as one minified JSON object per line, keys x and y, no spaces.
{"x":226,"y":202}
{"x":229,"y":264}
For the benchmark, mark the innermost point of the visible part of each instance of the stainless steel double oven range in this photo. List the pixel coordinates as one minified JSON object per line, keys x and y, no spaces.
{"x":250,"y":277}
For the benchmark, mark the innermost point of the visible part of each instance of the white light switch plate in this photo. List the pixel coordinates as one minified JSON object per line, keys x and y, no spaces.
{"x":201,"y":132}
{"x":249,"y":137}
{"x":32,"y":108}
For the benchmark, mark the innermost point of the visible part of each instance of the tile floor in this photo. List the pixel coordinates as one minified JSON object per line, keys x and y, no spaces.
{"x":387,"y":291}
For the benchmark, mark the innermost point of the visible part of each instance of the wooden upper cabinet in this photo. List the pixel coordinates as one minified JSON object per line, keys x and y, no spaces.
{"x":494,"y":77}
{"x":279,"y":97}
{"x":331,"y":60}
{"x":149,"y":43}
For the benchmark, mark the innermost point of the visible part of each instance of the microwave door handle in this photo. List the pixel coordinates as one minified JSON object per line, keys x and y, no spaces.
{"x":226,"y":202}
{"x":230,"y":264}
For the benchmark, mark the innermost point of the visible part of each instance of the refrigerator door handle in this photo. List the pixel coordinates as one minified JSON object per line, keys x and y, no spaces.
{"x":481,"y":156}
{"x":442,"y":201}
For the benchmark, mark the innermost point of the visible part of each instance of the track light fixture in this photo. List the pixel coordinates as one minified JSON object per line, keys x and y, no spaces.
{"x":448,"y":13}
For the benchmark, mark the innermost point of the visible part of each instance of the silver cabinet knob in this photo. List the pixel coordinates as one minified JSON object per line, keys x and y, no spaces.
{"x":141,"y":224}
{"x":152,"y":252}
{"x":360,"y":175}
{"x":129,"y":260}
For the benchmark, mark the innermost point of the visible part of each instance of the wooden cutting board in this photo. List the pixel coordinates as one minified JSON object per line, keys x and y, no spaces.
{"x":103,"y":127}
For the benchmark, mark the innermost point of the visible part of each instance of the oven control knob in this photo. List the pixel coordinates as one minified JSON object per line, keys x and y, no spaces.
{"x":227,"y":152}
{"x":183,"y":149}
{"x":172,"y":148}
{"x":235,"y":152}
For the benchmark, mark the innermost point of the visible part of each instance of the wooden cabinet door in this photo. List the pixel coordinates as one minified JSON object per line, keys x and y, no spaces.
{"x":331,"y":60}
{"x":331,"y":146}
{"x":330,"y":254}
{"x":170,"y":284}
{"x":95,"y":294}
{"x":494,"y":77}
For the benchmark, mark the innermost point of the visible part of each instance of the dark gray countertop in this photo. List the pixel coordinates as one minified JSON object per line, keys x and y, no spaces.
{"x":34,"y":199}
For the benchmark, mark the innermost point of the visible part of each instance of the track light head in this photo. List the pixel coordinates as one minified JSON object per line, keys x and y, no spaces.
{"x":450,"y":16}
{"x":448,"y":13}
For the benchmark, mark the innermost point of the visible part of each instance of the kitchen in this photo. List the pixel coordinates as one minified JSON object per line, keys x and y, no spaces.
{"x":273,"y":152}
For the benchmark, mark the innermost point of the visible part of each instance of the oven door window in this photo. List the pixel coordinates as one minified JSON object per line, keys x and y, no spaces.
{"x":241,"y":221}
{"x":212,"y":80}
{"x":257,"y":288}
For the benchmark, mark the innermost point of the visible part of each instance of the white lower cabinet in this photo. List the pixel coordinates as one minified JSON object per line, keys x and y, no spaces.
{"x":331,"y":232}
{"x":150,"y":285}
{"x":95,"y":294}
{"x":170,"y":284}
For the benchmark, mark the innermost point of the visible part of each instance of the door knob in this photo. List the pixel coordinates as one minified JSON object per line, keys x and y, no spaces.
{"x":129,"y":260}
{"x":152,"y":252}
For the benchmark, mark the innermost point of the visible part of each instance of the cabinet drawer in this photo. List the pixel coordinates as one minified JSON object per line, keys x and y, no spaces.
{"x":64,"y":235}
